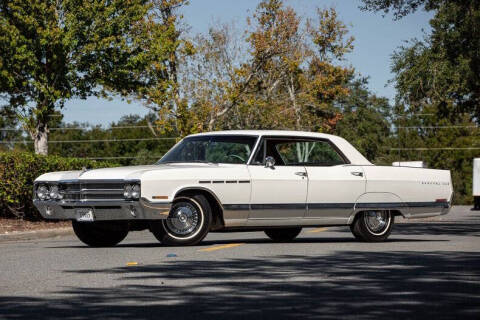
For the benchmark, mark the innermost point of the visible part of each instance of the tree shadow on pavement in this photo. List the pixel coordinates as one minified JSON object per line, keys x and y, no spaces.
{"x":344,"y":284}
{"x":459,"y":229}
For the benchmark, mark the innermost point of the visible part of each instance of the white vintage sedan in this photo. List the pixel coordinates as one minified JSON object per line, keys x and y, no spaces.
{"x":272,"y":181}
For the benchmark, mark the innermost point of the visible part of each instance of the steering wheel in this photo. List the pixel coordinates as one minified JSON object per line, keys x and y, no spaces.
{"x":236,"y":156}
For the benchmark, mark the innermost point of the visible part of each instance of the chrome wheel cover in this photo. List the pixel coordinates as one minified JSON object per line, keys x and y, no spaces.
{"x":183,"y":220}
{"x":377,"y":222}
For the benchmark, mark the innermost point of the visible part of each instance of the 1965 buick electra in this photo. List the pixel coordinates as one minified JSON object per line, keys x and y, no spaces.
{"x":272,"y":181}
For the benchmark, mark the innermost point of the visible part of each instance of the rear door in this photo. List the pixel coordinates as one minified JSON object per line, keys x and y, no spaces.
{"x":333,"y":184}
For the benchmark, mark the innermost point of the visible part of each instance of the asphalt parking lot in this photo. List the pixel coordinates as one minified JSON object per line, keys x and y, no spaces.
{"x":427,"y":269}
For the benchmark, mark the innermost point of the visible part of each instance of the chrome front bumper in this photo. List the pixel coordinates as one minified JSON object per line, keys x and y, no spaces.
{"x":104,"y":210}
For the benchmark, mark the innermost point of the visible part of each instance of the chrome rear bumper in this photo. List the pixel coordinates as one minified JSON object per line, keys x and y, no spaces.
{"x":104,"y":210}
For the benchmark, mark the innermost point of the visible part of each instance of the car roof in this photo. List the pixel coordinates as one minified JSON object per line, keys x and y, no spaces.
{"x":268,"y":133}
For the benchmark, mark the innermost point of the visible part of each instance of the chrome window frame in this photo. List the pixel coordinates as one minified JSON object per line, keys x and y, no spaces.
{"x":330,"y":142}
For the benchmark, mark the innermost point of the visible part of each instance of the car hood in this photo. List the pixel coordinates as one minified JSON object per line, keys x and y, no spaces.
{"x":118,"y":173}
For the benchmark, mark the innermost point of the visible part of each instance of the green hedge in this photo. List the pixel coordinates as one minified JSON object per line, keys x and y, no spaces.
{"x":18,"y":170}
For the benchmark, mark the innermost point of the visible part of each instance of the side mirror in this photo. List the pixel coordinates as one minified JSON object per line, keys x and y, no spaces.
{"x":269,"y":162}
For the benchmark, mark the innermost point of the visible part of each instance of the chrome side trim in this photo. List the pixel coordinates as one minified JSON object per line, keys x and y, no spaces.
{"x":330,"y":205}
{"x":278,"y":206}
{"x":365,"y":205}
{"x":237,"y":215}
{"x":404,"y":205}
{"x":236,"y":207}
{"x":222,"y":181}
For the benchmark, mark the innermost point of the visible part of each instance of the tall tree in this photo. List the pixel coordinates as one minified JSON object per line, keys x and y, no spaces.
{"x":56,"y":50}
{"x":167,"y":97}
{"x":298,"y":81}
{"x":444,"y":68}
{"x":284,"y":73}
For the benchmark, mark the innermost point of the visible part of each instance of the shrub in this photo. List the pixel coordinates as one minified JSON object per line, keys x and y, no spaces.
{"x":18,"y":170}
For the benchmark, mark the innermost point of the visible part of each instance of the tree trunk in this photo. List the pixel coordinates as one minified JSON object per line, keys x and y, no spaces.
{"x":40,"y":139}
{"x":296,"y":108}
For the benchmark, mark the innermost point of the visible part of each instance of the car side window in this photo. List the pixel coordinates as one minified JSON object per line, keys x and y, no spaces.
{"x":313,"y":153}
{"x":267,"y":149}
{"x":294,"y":152}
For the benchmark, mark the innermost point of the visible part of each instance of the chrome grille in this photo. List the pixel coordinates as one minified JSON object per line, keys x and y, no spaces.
{"x":92,"y":191}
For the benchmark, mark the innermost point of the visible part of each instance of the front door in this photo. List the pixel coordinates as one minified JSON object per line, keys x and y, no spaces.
{"x":278,"y":192}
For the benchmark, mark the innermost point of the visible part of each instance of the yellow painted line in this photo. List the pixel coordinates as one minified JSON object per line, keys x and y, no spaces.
{"x":220,"y":247}
{"x":317,"y":230}
{"x":132,"y":264}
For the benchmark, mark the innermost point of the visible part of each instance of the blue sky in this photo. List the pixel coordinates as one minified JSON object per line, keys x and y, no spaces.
{"x":376,"y":38}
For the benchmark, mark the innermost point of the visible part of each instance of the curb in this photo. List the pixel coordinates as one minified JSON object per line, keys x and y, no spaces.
{"x":38,"y":234}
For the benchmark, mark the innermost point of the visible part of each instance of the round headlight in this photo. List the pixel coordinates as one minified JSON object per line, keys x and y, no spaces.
{"x":136,"y":191}
{"x":127,"y":192}
{"x":43,"y":192}
{"x":54,"y":193}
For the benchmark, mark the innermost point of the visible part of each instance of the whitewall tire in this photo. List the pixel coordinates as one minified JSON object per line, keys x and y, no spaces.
{"x":373,"y":225}
{"x":188,"y":222}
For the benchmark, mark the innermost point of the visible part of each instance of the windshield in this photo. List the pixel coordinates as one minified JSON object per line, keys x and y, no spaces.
{"x":212,"y":149}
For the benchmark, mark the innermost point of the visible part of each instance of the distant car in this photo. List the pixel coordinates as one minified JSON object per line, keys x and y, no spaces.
{"x":272,"y":181}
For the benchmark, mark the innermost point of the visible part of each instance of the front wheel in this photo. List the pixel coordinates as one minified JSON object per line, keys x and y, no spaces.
{"x":283,"y":234}
{"x":188,"y":222}
{"x":101,"y":233}
{"x":373,"y":226}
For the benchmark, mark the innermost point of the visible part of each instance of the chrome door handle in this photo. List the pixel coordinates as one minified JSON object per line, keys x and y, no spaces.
{"x":357,"y":173}
{"x":301,"y":174}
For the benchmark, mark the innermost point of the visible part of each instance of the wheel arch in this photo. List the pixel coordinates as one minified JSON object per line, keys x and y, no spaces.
{"x":215,"y":204}
{"x":378,"y":201}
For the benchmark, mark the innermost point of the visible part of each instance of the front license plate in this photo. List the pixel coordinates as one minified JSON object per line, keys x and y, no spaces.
{"x":84,"y":214}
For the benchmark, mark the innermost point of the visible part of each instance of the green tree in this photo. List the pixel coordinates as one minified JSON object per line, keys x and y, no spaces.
{"x":444,"y":68}
{"x":52,"y":51}
{"x":299,"y":80}
{"x":168,"y":97}
{"x":365,"y":121}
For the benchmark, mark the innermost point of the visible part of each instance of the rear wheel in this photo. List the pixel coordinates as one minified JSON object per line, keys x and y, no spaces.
{"x":283,"y":234}
{"x":188,"y":222}
{"x":373,"y":225}
{"x":101,"y":233}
